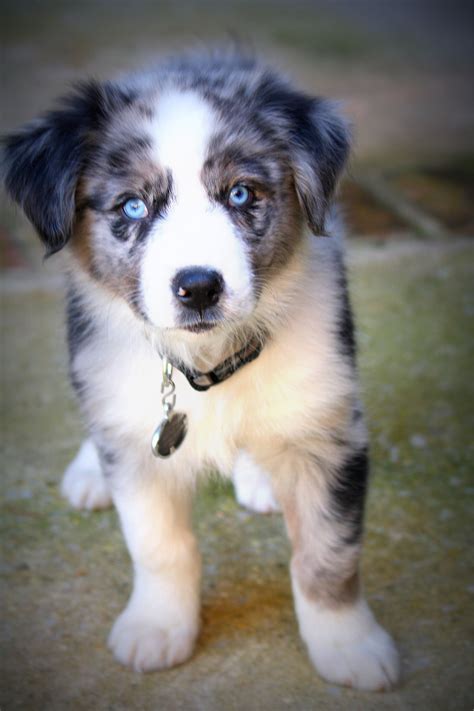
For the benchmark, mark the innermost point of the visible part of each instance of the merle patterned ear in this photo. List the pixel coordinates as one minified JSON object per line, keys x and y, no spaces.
{"x":317,"y":138}
{"x":42,"y":163}
{"x":320,"y":142}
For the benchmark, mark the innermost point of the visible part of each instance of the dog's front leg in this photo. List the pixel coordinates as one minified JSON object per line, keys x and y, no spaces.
{"x":323,"y":507}
{"x":159,"y":626}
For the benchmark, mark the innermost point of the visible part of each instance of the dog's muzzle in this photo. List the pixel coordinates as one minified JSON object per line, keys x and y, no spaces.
{"x":198,"y":288}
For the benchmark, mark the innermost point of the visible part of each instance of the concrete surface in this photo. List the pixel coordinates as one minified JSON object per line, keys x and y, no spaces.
{"x":65,"y":575}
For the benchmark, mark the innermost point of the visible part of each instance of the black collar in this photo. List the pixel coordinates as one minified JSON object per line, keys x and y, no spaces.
{"x":204,"y":381}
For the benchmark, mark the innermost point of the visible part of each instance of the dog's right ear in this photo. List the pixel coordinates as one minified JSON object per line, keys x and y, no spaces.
{"x":42,"y":163}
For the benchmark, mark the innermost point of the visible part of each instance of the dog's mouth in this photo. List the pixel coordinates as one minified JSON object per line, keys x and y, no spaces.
{"x":200,"y":322}
{"x":199,"y":327}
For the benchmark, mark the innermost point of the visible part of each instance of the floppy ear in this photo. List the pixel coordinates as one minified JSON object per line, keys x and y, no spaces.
{"x":319,"y":144}
{"x":42,"y":163}
{"x":317,"y":139}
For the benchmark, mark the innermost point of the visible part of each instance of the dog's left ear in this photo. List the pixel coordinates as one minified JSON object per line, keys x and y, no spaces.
{"x":319,"y":144}
{"x":318,"y":140}
{"x":320,"y":151}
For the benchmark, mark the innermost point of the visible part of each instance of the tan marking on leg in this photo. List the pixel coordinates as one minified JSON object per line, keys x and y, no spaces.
{"x":326,"y":568}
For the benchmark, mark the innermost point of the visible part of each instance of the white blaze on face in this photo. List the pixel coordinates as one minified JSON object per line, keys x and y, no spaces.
{"x":194,"y":231}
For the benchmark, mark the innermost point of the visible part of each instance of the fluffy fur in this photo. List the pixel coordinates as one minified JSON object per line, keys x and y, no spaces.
{"x":179,"y":138}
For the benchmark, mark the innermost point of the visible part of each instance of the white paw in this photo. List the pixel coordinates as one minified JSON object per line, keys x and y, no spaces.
{"x":83,"y":483}
{"x":348,"y":646}
{"x":252,"y":486}
{"x":369,"y":662}
{"x":142,"y":643}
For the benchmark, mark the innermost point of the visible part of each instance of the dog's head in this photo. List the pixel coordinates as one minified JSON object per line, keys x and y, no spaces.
{"x":184,"y":190}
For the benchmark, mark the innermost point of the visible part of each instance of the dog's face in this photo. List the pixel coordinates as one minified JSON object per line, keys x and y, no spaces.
{"x":185,"y":214}
{"x":182,"y":193}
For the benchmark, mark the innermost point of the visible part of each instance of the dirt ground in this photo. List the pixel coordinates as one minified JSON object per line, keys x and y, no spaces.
{"x":404,"y":71}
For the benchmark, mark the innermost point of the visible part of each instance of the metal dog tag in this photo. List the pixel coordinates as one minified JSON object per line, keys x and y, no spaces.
{"x":169,"y":434}
{"x":173,"y":427}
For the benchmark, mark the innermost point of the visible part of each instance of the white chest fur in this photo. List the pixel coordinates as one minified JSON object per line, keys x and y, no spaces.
{"x":278,"y":397}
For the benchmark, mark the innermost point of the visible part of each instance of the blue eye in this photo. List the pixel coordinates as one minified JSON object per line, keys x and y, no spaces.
{"x":239,"y":196}
{"x":135,"y":209}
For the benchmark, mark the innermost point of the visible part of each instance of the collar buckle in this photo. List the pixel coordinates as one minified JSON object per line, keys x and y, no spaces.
{"x":203,"y":381}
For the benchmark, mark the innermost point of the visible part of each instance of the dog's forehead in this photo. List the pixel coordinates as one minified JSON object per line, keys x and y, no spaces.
{"x":172,"y":137}
{"x":198,"y":142}
{"x":181,"y":131}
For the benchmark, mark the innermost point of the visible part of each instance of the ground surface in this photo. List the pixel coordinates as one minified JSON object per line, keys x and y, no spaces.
{"x":66,"y":575}
{"x":404,"y":71}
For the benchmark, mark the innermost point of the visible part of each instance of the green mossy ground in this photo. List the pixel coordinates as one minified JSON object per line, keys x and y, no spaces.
{"x":66,"y":575}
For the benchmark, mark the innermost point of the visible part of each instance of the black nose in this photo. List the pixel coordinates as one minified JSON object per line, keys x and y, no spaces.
{"x":198,"y":288}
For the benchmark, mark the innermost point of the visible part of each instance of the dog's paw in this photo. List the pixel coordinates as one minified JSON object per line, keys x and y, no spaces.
{"x":142,"y":643}
{"x":252,"y":485}
{"x":369,"y":662}
{"x":349,"y":647}
{"x":83,"y":483}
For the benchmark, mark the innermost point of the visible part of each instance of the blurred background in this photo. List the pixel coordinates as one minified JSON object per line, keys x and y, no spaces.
{"x":403,"y":72}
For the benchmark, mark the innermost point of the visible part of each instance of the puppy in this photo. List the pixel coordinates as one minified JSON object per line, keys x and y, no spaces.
{"x":209,"y":327}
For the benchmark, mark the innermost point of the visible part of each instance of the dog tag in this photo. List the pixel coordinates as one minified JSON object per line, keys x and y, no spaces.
{"x":169,"y":434}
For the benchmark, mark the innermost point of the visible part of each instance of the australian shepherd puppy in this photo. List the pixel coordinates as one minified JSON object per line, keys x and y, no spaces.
{"x":209,"y":327}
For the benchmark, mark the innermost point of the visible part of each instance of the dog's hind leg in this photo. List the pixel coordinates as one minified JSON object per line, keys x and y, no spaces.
{"x":253,"y":488}
{"x":83,"y":483}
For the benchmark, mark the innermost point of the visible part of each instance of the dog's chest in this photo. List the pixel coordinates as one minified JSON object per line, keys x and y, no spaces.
{"x":274,"y":398}
{"x":259,"y":401}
